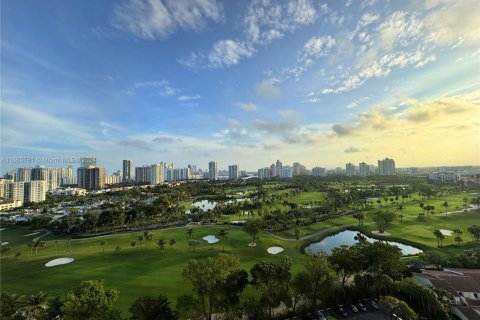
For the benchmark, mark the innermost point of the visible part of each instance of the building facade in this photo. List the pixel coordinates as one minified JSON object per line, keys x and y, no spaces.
{"x":91,"y":177}
{"x":128,"y":170}
{"x":386,"y":167}
{"x":233,"y":172}
{"x":212,"y":170}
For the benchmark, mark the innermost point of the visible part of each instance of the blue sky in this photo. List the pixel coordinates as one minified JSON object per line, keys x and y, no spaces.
{"x":319,"y":82}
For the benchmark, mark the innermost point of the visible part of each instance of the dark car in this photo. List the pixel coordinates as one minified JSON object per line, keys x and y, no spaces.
{"x":374,"y":304}
{"x":319,"y":315}
{"x":341,"y":309}
{"x":353,"y":308}
{"x":361,"y":306}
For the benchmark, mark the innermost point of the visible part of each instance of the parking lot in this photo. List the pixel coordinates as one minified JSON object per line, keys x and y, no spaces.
{"x":368,"y":315}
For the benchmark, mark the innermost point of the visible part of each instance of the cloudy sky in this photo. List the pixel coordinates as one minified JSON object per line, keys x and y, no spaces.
{"x":188,"y":81}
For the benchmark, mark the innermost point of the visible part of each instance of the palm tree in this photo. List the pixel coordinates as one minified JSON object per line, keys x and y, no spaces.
{"x":401,"y":217}
{"x":223,"y":235}
{"x":457,"y":231}
{"x":140,"y":239}
{"x":439,"y":236}
{"x":458,"y":239}
{"x":172,"y":242}
{"x":190,"y":232}
{"x":133,"y":243}
{"x":36,"y":303}
{"x":161,"y":244}
{"x":102,"y":244}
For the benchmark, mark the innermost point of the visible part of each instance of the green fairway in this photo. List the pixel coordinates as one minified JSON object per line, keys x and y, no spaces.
{"x":144,"y":269}
{"x":134,"y":271}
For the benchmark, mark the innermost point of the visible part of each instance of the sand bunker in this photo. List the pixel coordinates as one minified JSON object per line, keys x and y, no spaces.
{"x":274,"y":250}
{"x":5,"y":243}
{"x":211,"y":239}
{"x":239,"y":221}
{"x":446,"y":232}
{"x":2,"y":229}
{"x":252,"y":244}
{"x":378,"y":233}
{"x":31,"y":234}
{"x":59,"y":261}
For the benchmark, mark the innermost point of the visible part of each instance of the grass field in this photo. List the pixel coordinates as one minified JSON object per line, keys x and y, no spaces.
{"x":132,"y":271}
{"x":136,"y":271}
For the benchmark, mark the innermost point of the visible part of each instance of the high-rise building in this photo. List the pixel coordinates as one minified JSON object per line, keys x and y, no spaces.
{"x":212,"y":170}
{"x":128,"y":170}
{"x":264,"y":173}
{"x":47,"y":174}
{"x":168,"y":172}
{"x":278,"y":169}
{"x":143,"y":174}
{"x":350,"y":169}
{"x":233,"y":172}
{"x":23,"y":175}
{"x":363,"y":170}
{"x":25,"y":191}
{"x":287,"y":172}
{"x":386,"y":167}
{"x":318,"y":172}
{"x":91,"y":177}
{"x":156,"y":173}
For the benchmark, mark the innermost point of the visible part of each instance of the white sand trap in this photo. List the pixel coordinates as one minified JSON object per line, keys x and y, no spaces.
{"x":446,"y":232}
{"x":59,"y":261}
{"x":239,"y":221}
{"x":211,"y":239}
{"x":5,"y":243}
{"x":2,"y":229}
{"x":31,"y":234}
{"x":274,"y":250}
{"x":378,"y":233}
{"x":252,"y":244}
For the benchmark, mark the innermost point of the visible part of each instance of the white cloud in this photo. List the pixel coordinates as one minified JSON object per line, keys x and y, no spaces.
{"x":189,"y":98}
{"x":430,"y":58}
{"x":151,"y":19}
{"x":318,"y":46}
{"x":228,"y":52}
{"x":224,"y":53}
{"x":248,"y":107}
{"x":368,"y":18}
{"x":267,"y":88}
{"x":161,"y":87}
{"x":268,"y":20}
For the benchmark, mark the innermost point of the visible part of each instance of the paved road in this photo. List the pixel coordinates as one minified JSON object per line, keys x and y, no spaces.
{"x":317,"y":233}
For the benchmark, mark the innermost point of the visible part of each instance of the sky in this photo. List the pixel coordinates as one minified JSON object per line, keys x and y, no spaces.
{"x":322,"y":83}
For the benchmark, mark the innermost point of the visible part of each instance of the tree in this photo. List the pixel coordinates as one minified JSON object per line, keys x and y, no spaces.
{"x":192,"y":243}
{"x":133,"y":244}
{"x":223,"y":235}
{"x":299,"y":288}
{"x":190,"y":232}
{"x":360,"y":217}
{"x":435,"y":258}
{"x":172,"y":242}
{"x":458,"y":239}
{"x":209,"y":278}
{"x":272,"y":280}
{"x":161,"y":244}
{"x":89,"y":301}
{"x":321,"y":275}
{"x":401,"y":217}
{"x":253,"y":228}
{"x":9,"y":304}
{"x":475,"y":232}
{"x":439,"y":236}
{"x":398,"y":307}
{"x":146,"y":308}
{"x":344,"y":260}
{"x":36,"y":305}
{"x":382,"y":219}
{"x":297,"y":233}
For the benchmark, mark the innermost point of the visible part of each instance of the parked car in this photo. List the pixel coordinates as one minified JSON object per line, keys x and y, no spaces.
{"x":341,"y":309}
{"x":319,"y":315}
{"x":374,"y":304}
{"x":361,"y":306}
{"x":352,"y":306}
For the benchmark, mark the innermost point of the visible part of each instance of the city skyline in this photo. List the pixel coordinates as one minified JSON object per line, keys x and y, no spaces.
{"x":324,"y":83}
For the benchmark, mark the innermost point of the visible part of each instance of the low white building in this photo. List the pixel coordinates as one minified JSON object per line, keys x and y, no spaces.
{"x":69,"y":192}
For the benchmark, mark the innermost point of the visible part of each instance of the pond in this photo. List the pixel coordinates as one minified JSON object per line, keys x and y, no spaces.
{"x":347,"y":237}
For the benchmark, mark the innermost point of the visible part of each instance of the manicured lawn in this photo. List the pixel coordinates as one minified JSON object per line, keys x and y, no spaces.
{"x":133,"y":271}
